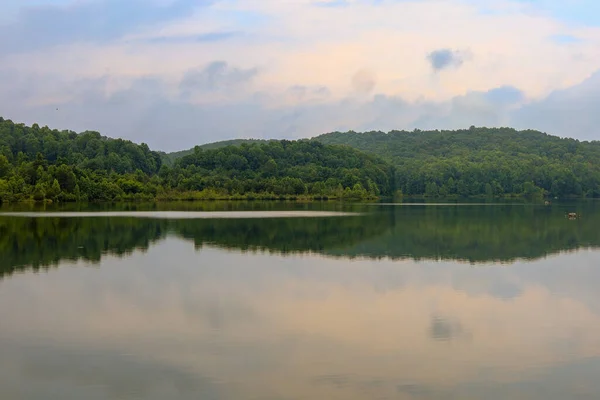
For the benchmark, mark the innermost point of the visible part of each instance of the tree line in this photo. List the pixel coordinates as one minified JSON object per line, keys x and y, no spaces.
{"x":478,"y":162}
{"x":41,"y":164}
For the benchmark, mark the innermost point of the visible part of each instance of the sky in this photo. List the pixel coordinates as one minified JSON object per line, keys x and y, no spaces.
{"x":176,"y":73}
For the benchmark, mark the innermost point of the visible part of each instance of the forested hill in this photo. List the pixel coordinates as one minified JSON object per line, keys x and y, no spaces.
{"x":170,"y":158}
{"x":284,"y":167}
{"x":483,"y":161}
{"x":87,"y":150}
{"x":398,"y":146}
{"x":42,"y":164}
{"x":37,"y":163}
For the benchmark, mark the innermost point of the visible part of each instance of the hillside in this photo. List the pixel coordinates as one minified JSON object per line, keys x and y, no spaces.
{"x":41,"y":164}
{"x":284,"y":167}
{"x":44,"y":164}
{"x":482,"y":161}
{"x":170,"y":158}
{"x":87,"y":150}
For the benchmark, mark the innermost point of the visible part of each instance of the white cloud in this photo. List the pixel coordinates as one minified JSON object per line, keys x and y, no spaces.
{"x":308,"y":69}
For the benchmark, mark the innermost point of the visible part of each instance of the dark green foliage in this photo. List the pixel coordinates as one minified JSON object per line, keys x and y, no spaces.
{"x":170,"y":158}
{"x":40,"y":164}
{"x":282,"y":168}
{"x":483,"y":161}
{"x":43,"y":164}
{"x":47,"y":165}
{"x":87,"y":150}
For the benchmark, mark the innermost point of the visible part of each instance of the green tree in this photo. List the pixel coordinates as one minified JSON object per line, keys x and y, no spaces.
{"x":489,"y":192}
{"x":5,"y":192}
{"x":53,"y":191}
{"x":5,"y":166}
{"x":431,"y":189}
{"x":39,"y":192}
{"x":66,"y":178}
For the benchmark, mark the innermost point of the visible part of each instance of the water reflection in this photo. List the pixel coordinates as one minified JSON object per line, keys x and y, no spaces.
{"x":478,"y":234}
{"x":177,"y":322}
{"x":179,"y":214}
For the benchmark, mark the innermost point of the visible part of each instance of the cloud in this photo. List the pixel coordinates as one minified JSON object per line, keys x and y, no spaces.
{"x":297,"y":94}
{"x":96,"y":20}
{"x":216,"y":76}
{"x":571,"y":112}
{"x":332,"y":3}
{"x":204,"y":37}
{"x":147,"y":110}
{"x":176,"y":73}
{"x":445,"y":58}
{"x":565,"y":39}
{"x":363,"y":81}
{"x":505,"y":95}
{"x":445,"y":329}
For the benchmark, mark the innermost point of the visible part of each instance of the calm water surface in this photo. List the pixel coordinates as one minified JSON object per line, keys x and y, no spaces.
{"x":383,"y":302}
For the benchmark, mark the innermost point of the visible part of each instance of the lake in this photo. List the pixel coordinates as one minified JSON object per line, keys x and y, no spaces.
{"x":298,"y":301}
